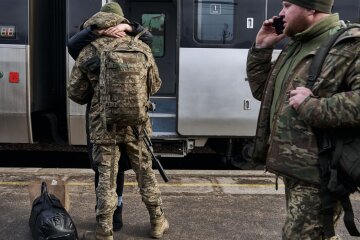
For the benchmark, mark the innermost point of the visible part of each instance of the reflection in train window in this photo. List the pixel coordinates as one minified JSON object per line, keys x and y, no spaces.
{"x":214,"y":21}
{"x":155,"y":24}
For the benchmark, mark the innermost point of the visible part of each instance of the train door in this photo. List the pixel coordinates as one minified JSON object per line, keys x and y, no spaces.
{"x":214,"y":95}
{"x":77,"y":12}
{"x":15,"y":120}
{"x":161,"y":19}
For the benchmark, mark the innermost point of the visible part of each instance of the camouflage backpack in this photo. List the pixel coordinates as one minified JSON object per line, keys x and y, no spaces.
{"x":123,"y":81}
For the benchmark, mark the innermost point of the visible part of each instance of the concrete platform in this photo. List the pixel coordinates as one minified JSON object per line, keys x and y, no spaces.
{"x":210,"y":205}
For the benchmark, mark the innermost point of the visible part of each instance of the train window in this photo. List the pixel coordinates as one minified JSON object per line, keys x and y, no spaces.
{"x":214,"y":21}
{"x":155,"y":22}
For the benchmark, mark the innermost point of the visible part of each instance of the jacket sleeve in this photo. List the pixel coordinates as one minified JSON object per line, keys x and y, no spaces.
{"x":154,"y":77}
{"x":339,"y":110}
{"x":77,"y":42}
{"x":258,"y":68}
{"x":79,"y":87}
{"x":137,"y":28}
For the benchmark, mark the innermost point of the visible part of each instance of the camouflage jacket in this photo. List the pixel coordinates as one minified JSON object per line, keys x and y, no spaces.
{"x":289,"y":148}
{"x":83,"y":86}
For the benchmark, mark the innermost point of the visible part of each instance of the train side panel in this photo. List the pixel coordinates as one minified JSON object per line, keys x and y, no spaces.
{"x":214,"y":96}
{"x":15,"y":121}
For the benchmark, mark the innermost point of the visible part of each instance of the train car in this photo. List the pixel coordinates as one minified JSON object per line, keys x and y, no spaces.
{"x":200,"y":48}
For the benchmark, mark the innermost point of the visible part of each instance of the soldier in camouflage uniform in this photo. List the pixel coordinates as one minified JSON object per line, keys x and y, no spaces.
{"x":285,"y":140}
{"x":83,"y":87}
{"x":75,"y":45}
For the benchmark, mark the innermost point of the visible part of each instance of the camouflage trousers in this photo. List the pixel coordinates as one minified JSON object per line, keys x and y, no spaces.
{"x":303,"y":212}
{"x":106,"y":158}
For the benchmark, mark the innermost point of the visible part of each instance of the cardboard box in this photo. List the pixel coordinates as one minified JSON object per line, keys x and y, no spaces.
{"x":55,"y":186}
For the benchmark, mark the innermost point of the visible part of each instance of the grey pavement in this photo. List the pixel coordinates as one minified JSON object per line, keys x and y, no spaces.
{"x":210,"y":205}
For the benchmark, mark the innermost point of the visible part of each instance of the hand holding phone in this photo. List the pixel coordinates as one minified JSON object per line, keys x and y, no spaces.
{"x":279,"y":25}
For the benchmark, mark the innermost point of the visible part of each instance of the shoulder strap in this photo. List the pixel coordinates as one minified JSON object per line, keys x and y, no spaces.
{"x":319,"y":59}
{"x":149,"y":81}
{"x":140,"y":34}
{"x":349,"y":216}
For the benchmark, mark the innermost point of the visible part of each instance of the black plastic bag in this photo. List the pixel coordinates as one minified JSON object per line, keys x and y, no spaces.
{"x":49,"y":220}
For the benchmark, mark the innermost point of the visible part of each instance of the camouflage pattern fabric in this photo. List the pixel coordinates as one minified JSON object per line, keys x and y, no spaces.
{"x":338,"y":87}
{"x":291,"y":149}
{"x":83,"y":87}
{"x":124,"y":79}
{"x":106,"y":158}
{"x":303,"y":212}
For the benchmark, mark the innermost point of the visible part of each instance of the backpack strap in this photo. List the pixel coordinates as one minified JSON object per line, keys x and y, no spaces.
{"x":328,"y":202}
{"x":140,"y":34}
{"x":334,"y":185}
{"x":149,"y":80}
{"x":349,"y":216}
{"x":319,"y":58}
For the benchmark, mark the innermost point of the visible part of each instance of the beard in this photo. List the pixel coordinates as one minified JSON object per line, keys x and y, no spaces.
{"x":296,"y":25}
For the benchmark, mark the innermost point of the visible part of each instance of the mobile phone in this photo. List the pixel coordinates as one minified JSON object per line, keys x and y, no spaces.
{"x":279,"y":25}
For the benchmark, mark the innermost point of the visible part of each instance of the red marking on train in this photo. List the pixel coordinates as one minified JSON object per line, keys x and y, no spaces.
{"x":14,"y":77}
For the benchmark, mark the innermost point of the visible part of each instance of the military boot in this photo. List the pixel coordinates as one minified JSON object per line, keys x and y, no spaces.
{"x":117,"y":218}
{"x":159,"y":226}
{"x":99,"y":234}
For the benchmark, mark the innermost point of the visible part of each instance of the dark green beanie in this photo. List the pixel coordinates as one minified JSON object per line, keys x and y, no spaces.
{"x":318,"y":5}
{"x":112,"y":7}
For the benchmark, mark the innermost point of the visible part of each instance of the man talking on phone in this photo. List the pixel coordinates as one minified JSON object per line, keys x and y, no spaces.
{"x":285,"y":140}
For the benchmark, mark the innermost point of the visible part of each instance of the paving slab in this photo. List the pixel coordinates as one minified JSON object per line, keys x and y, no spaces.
{"x":210,"y":205}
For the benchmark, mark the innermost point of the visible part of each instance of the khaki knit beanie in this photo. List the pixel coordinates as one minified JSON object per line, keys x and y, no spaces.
{"x":318,"y":5}
{"x":112,"y":7}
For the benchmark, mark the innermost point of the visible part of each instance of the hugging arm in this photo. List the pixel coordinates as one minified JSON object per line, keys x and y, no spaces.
{"x":80,"y":40}
{"x":87,"y":35}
